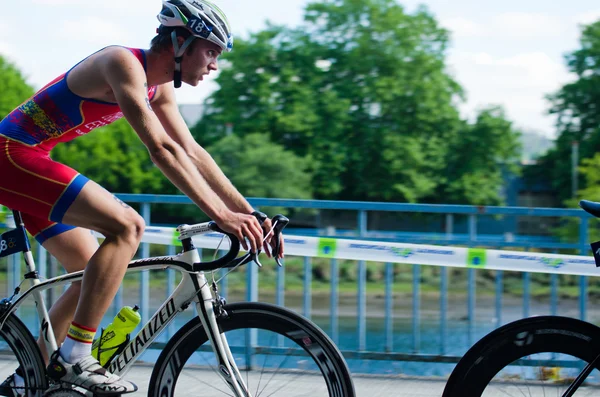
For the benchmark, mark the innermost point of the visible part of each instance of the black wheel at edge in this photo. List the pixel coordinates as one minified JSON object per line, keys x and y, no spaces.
{"x":501,"y":347}
{"x":260,"y":316}
{"x":23,"y":349}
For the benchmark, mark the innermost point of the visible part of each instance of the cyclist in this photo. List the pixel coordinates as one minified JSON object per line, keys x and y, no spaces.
{"x":59,"y":205}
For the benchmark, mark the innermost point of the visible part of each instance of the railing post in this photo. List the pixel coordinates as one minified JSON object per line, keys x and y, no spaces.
{"x":307,"y":303}
{"x":449,"y":226}
{"x":280,"y":295}
{"x":554,"y":294}
{"x":583,"y":281}
{"x":443,"y":309}
{"x":362,"y":305}
{"x":499,"y":292}
{"x":251,"y":296}
{"x":362,"y":288}
{"x":416,"y":314}
{"x":333,"y":304}
{"x":145,"y":274}
{"x":471,"y":305}
{"x":389,"y":306}
{"x":473,"y":227}
{"x":526,"y":293}
{"x":583,"y":295}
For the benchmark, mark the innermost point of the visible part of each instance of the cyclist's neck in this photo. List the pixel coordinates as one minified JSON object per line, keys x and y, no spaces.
{"x":160,"y":67}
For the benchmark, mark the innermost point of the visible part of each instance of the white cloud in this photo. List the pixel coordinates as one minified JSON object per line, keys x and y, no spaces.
{"x":7,"y":49}
{"x":518,"y":82}
{"x":129,"y":5}
{"x":462,"y":27}
{"x":528,"y":24}
{"x":587,"y":17}
{"x":93,"y":30}
{"x":508,"y":25}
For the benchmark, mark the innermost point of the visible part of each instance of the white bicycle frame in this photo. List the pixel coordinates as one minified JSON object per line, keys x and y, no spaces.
{"x":193,"y":288}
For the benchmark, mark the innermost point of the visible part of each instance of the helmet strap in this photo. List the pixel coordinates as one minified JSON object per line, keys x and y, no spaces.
{"x":178,"y":52}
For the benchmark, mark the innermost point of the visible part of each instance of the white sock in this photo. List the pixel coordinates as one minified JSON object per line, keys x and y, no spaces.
{"x":77,"y":344}
{"x":72,"y":351}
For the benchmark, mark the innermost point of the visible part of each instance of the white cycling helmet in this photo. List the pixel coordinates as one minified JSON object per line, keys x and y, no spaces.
{"x":202,"y":19}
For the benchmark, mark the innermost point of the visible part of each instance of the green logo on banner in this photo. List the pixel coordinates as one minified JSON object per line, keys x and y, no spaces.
{"x":476,"y":257}
{"x":327,"y":247}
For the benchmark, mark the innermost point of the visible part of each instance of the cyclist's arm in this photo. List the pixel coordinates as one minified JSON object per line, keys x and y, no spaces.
{"x":168,"y":113}
{"x":127,"y":79}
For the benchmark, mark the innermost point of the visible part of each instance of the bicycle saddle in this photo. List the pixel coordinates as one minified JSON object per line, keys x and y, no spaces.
{"x":590,"y":207}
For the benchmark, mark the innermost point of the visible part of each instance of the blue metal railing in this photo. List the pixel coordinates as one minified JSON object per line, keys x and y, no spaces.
{"x":446,"y":237}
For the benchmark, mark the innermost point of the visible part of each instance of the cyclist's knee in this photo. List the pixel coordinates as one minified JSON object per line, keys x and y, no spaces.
{"x":131,"y":228}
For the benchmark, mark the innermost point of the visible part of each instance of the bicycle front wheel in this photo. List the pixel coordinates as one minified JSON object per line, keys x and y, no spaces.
{"x":537,"y":356}
{"x":19,"y":349}
{"x":278,"y":352}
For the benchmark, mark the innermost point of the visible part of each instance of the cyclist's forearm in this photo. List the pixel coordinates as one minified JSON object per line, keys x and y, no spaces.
{"x":217,"y":180}
{"x":182,"y":172}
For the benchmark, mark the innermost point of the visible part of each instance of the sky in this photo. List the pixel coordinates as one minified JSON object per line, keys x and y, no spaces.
{"x":508,"y":52}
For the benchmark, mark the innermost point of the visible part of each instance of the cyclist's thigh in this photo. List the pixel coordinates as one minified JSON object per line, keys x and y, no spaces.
{"x":97,"y":209}
{"x":34,"y":184}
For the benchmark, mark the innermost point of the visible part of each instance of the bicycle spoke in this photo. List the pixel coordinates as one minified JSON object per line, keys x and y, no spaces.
{"x":208,"y":384}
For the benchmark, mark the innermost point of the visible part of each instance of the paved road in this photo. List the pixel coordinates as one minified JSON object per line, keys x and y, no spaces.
{"x":200,"y":382}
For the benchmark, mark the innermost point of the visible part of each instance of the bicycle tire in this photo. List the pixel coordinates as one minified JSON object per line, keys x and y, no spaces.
{"x":262,"y":316}
{"x":513,"y":341}
{"x":24,"y":351}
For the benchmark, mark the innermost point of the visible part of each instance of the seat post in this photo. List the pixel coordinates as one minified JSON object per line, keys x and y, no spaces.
{"x":17,"y":217}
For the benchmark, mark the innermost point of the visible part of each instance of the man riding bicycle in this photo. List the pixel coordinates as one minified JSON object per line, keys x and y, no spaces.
{"x":60,"y":206}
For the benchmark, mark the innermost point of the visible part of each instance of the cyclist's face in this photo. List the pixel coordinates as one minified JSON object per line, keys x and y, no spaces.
{"x":199,"y":61}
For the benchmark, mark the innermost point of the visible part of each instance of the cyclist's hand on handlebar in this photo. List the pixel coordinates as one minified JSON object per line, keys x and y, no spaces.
{"x":243,"y":226}
{"x":270,"y":240}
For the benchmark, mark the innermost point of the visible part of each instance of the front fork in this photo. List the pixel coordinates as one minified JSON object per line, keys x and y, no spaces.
{"x":206,"y":307}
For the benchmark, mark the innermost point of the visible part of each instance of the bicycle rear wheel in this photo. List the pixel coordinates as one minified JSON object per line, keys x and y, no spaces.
{"x":18,"y":348}
{"x":536,"y":356}
{"x":278,"y":352}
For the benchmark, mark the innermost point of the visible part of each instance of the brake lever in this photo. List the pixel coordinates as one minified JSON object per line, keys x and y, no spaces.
{"x":260,"y":216}
{"x":280,"y":223}
{"x":254,"y":256}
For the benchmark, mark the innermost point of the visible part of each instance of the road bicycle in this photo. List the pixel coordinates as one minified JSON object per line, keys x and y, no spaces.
{"x":249,"y":348}
{"x":536,"y":356}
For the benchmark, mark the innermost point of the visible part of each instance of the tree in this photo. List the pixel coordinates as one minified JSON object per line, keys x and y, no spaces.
{"x":13,"y":87}
{"x":260,"y":168}
{"x":577,"y":107}
{"x":361,"y":89}
{"x":479,"y":156}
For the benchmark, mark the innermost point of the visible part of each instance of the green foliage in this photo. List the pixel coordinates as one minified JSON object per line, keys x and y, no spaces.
{"x":13,"y":87}
{"x":569,"y":231}
{"x":362,"y":90}
{"x":114,"y":157}
{"x":576,"y":106}
{"x":260,"y":168}
{"x":477,"y":157}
